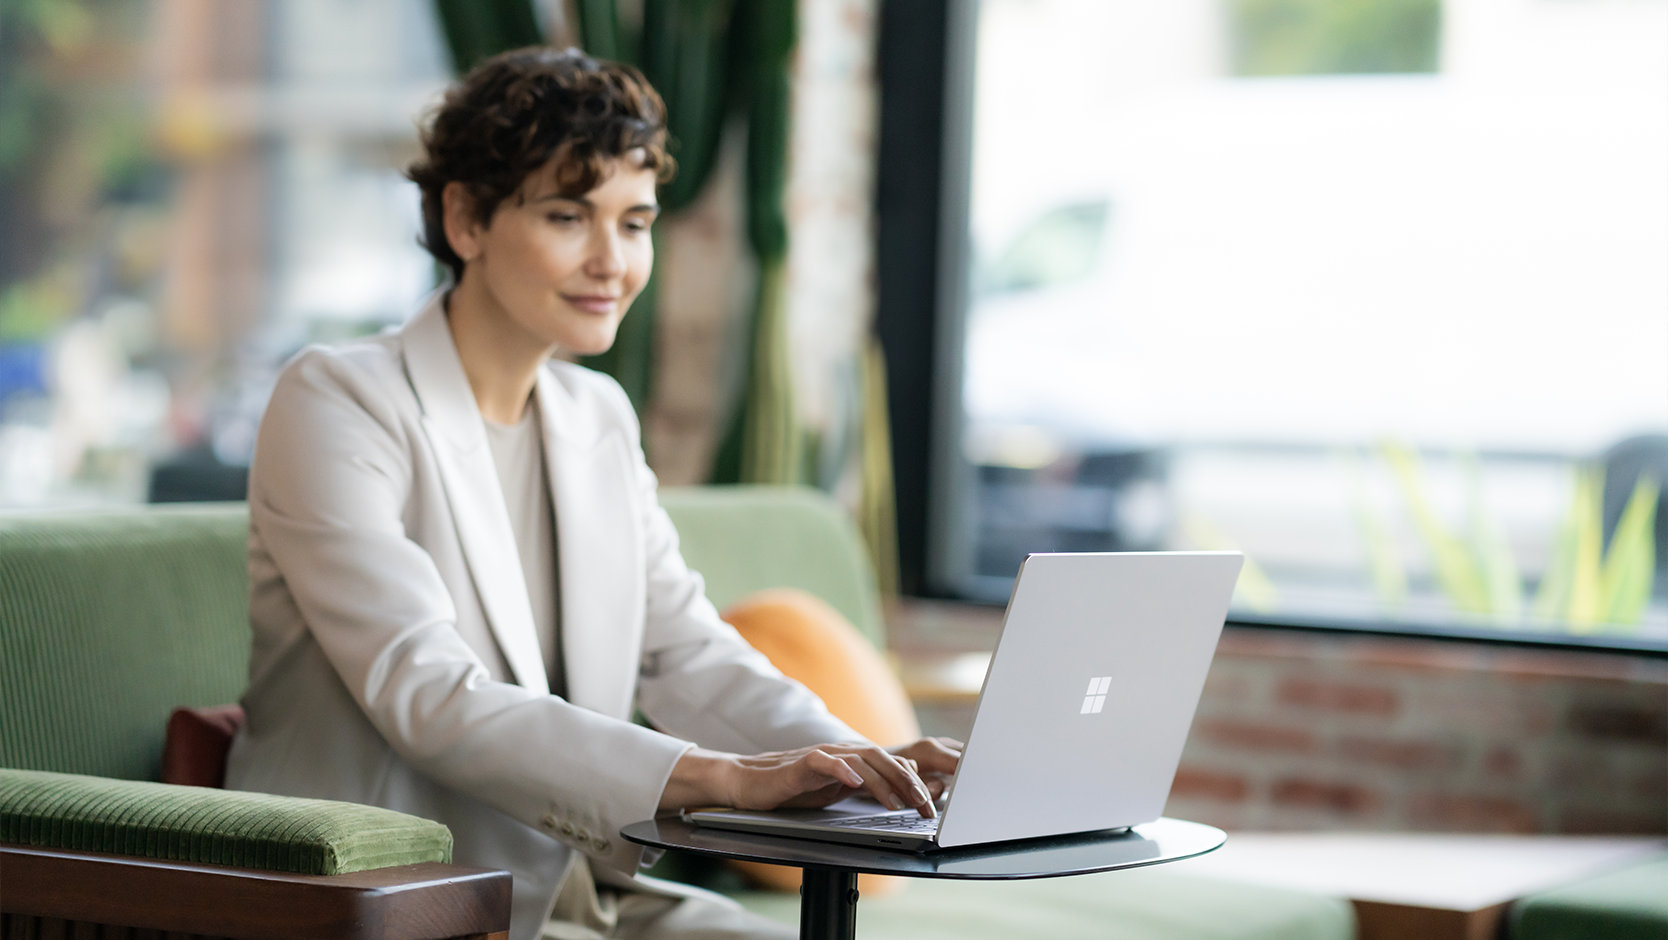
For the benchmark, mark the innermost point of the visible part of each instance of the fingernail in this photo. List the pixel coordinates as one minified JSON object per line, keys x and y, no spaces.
{"x":892,"y":802}
{"x":920,"y":795}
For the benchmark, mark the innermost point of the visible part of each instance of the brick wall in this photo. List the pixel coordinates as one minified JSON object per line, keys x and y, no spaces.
{"x":1299,"y":731}
{"x":1329,"y":731}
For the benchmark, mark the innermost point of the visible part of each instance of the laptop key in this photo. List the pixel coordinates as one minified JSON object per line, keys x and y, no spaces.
{"x":895,"y":822}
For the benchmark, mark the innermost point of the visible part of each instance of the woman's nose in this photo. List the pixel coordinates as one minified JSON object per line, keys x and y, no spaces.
{"x":607,"y":255}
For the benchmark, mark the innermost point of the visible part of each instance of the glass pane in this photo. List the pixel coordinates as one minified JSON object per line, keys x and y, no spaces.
{"x":1375,"y":292}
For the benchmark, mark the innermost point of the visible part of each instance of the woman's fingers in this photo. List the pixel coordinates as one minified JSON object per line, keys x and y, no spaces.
{"x":833,"y":765}
{"x":804,"y":777}
{"x":932,"y":756}
{"x":899,"y":783}
{"x":817,"y":776}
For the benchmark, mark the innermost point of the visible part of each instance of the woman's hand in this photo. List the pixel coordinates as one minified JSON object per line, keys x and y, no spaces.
{"x":814,"y":776}
{"x":933,"y":759}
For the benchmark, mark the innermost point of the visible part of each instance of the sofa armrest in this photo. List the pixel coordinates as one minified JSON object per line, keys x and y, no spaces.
{"x":428,"y":900}
{"x":225,"y":863}
{"x":201,"y":825}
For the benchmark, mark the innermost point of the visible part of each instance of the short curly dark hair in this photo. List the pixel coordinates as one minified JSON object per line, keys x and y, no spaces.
{"x":521,"y":111}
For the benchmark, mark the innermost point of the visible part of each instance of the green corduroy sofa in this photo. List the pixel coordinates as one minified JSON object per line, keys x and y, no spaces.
{"x":1629,"y":903}
{"x":111,"y":619}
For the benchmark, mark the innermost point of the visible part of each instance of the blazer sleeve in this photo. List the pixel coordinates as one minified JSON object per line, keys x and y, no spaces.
{"x":335,"y":466}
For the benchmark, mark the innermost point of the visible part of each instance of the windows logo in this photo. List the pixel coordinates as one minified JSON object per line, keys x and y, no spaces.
{"x":1095,"y":700}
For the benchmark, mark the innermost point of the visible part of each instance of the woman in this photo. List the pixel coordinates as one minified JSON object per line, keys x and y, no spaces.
{"x":461,"y":581}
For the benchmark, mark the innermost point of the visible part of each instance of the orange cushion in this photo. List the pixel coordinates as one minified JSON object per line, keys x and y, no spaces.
{"x":811,"y":642}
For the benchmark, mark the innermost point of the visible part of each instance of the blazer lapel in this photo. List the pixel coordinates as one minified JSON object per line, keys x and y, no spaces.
{"x":458,"y":437}
{"x":599,"y":551}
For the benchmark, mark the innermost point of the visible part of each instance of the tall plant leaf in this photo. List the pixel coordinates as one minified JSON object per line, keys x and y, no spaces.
{"x":772,"y":26}
{"x":1553,"y":595}
{"x":599,"y":30}
{"x":1584,"y":610}
{"x":1388,"y":574}
{"x":684,"y":48}
{"x":1502,"y":586}
{"x":1630,"y":564}
{"x":478,"y":29}
{"x":772,"y":446}
{"x":1456,"y":570}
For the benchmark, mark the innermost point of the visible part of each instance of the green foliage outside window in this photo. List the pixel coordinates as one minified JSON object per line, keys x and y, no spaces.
{"x":1334,"y":37}
{"x":1592,"y":584}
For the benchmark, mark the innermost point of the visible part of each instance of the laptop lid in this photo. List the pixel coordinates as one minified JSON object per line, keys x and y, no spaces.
{"x":1084,"y":711}
{"x":1090,"y":693}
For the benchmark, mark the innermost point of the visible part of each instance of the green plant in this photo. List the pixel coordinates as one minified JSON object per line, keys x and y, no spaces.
{"x":1388,"y":574}
{"x":479,"y":29}
{"x":1590,"y":585}
{"x":1328,"y":37}
{"x":1475,"y":568}
{"x":1586,"y":585}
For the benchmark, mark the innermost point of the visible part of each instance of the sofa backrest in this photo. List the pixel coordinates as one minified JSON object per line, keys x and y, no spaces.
{"x":748,"y":538}
{"x":110,"y":619}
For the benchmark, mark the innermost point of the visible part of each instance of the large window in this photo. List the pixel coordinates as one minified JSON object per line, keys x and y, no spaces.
{"x":1376,"y":292}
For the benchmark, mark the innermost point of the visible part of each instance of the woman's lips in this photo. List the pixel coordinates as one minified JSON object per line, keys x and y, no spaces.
{"x":593,"y":303}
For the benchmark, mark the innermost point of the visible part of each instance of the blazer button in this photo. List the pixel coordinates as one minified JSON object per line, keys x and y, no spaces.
{"x":567,"y":829}
{"x":600,"y":844}
{"x":548,"y":820}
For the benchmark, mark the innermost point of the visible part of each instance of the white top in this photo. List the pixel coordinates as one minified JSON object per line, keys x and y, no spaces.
{"x":518,"y":455}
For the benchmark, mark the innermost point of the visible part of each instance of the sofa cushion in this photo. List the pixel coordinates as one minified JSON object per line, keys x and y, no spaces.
{"x":211,"y":827}
{"x":1627,"y":904}
{"x":752,"y":537}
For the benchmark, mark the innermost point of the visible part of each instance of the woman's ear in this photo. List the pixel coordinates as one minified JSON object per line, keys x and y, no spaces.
{"x":458,"y":214}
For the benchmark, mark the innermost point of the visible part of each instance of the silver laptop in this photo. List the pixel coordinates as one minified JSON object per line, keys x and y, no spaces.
{"x":1083,"y":714}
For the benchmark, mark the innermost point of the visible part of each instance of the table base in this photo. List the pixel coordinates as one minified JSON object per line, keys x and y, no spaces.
{"x":828,"y":904}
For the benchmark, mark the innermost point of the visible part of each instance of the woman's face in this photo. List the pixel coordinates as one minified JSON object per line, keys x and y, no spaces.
{"x":561,"y":271}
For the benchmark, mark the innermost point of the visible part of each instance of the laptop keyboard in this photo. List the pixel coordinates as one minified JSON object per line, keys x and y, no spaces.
{"x":889,"y":822}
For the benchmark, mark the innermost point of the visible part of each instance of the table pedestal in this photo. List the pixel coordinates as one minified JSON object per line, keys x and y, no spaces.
{"x":828,"y":904}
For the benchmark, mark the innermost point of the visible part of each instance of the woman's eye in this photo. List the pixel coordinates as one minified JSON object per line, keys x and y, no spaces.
{"x":562,"y":218}
{"x":637,"y":225}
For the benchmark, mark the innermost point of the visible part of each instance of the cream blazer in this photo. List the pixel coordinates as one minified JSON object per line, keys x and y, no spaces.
{"x":395,"y":660}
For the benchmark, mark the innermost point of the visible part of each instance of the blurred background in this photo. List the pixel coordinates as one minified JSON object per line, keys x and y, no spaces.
{"x":190,"y":192}
{"x":1376,"y":292}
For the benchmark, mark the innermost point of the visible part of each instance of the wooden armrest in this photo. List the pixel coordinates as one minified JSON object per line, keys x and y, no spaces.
{"x":405,"y":902}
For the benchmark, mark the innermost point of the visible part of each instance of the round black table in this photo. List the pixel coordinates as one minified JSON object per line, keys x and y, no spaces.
{"x":828,"y":893}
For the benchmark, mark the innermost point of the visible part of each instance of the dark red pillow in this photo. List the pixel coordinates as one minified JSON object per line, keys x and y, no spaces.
{"x":194,"y":749}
